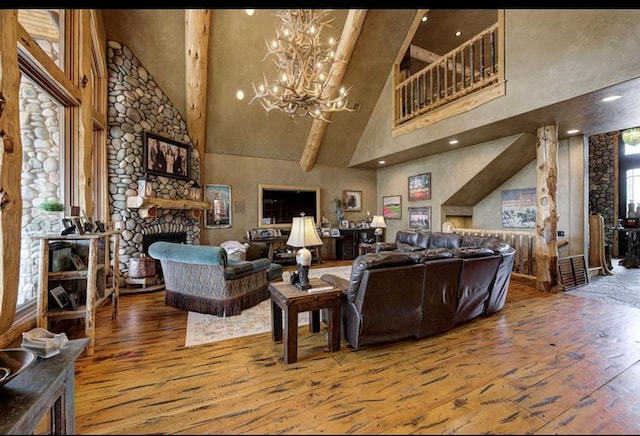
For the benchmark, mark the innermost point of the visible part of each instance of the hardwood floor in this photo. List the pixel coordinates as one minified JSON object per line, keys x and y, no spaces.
{"x":545,"y":364}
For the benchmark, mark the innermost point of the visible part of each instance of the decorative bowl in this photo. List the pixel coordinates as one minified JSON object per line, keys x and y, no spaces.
{"x":13,"y":361}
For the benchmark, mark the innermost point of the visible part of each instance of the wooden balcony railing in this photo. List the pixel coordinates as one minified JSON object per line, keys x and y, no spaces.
{"x":521,"y":241}
{"x":464,"y":70}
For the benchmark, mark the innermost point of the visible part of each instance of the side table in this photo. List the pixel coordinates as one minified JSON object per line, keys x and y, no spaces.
{"x":287,"y":299}
{"x":366,"y":248}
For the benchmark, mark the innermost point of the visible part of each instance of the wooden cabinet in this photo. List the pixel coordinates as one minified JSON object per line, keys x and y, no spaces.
{"x":107,"y":265}
{"x":347,"y":246}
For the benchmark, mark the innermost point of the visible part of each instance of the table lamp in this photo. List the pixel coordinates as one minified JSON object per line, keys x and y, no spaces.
{"x":303,"y":234}
{"x":379,"y":224}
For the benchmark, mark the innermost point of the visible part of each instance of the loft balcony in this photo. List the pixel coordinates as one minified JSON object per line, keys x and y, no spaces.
{"x":462,"y":79}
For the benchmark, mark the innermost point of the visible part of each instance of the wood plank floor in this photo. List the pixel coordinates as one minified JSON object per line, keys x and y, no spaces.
{"x":545,"y":364}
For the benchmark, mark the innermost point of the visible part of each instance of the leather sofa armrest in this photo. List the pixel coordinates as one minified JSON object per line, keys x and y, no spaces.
{"x":336,"y":281}
{"x":385,"y":246}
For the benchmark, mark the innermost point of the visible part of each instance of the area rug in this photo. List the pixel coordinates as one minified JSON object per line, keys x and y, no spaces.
{"x":205,"y":329}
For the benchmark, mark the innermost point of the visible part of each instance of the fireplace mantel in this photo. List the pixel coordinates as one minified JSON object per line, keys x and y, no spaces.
{"x":148,"y":206}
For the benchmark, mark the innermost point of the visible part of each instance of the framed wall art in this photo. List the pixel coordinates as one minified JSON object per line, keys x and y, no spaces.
{"x":519,"y":208}
{"x":352,"y":201}
{"x":165,"y":157}
{"x":392,"y":207}
{"x":420,"y":187}
{"x":218,"y":215}
{"x":420,"y":218}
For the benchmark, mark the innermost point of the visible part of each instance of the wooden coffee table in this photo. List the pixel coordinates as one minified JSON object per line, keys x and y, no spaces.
{"x":290,"y":300}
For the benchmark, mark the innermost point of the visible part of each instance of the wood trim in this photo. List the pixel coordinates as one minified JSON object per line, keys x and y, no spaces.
{"x":350,"y":34}
{"x":449,"y":110}
{"x":197,"y":29}
{"x":11,"y":168}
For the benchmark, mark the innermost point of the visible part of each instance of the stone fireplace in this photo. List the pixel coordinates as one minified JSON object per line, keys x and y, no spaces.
{"x":136,"y":104}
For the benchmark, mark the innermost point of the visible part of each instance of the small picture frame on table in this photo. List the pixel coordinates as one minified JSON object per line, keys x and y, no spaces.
{"x":335,"y":232}
{"x":60,"y":295}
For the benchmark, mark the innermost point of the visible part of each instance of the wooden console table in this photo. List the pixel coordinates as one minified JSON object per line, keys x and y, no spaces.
{"x":287,"y":299}
{"x":47,"y":385}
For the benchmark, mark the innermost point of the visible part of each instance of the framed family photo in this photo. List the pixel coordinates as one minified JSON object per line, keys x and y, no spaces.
{"x":218,"y":215}
{"x":420,"y":187}
{"x":352,"y":201}
{"x":165,"y":157}
{"x":392,"y":207}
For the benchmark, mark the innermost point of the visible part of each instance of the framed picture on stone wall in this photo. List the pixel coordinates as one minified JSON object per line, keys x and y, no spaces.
{"x":165,"y":157}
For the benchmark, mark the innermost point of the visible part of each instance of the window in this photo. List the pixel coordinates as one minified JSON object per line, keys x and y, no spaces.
{"x":53,"y":82}
{"x":42,"y":173}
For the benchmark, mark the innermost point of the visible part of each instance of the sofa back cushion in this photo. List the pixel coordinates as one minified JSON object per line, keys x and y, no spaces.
{"x":445,"y":240}
{"x":383,"y":259}
{"x":497,"y":245}
{"x":390,"y":301}
{"x":476,"y":282}
{"x":187,"y":253}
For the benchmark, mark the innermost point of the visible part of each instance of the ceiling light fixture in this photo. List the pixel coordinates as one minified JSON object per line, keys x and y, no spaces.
{"x":303,"y":62}
{"x":453,"y":141}
{"x":631,"y":136}
{"x":572,"y":131}
{"x":611,"y":98}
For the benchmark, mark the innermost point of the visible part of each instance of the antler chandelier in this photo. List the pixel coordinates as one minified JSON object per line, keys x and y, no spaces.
{"x":303,"y":62}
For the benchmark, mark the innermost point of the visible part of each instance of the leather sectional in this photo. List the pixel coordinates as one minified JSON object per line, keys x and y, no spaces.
{"x":423,"y":284}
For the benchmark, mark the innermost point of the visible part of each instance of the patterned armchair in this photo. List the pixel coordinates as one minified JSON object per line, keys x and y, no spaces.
{"x":201,"y":278}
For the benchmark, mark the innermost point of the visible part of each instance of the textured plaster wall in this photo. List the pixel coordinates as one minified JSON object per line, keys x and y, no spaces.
{"x":449,"y":172}
{"x":533,"y":39}
{"x":244,"y":174}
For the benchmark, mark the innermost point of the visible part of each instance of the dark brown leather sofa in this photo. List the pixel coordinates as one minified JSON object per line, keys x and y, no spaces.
{"x":406,"y":292}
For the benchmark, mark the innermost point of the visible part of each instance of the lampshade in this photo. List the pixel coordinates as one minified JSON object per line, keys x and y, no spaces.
{"x":303,"y":233}
{"x":378,"y":222}
{"x":631,"y":136}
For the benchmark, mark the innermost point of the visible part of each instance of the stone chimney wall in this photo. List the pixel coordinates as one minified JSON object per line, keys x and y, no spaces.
{"x":136,"y":104}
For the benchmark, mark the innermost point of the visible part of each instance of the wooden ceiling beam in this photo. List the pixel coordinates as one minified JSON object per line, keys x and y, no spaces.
{"x":350,"y":34}
{"x":197,"y":27}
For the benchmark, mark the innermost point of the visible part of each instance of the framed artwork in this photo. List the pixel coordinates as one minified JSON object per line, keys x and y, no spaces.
{"x":420,"y":187}
{"x":60,"y":295}
{"x":392,"y":207}
{"x":165,"y":157}
{"x":218,"y":215}
{"x":352,"y":201}
{"x":519,"y":208}
{"x":420,"y":218}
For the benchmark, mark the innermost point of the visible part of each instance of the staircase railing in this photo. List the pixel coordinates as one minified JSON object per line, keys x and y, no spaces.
{"x":522,"y":242}
{"x":464,"y":70}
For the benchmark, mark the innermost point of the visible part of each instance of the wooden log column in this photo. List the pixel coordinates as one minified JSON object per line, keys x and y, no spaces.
{"x":546,"y":242}
{"x":10,"y":167}
{"x":197,"y":29}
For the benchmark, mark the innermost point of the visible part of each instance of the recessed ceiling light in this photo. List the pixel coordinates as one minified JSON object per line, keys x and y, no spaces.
{"x":458,"y":33}
{"x":249,"y":12}
{"x":240,"y":94}
{"x":382,"y":162}
{"x":611,"y":97}
{"x":425,"y":18}
{"x":453,"y":141}
{"x":572,"y":131}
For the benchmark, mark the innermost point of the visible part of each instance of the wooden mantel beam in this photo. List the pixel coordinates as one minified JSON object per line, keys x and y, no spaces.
{"x":197,"y":25}
{"x":350,"y":34}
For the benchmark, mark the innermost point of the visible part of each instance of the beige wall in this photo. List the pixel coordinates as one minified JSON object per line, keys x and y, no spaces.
{"x":529,"y":34}
{"x":450,"y":171}
{"x":244,"y":174}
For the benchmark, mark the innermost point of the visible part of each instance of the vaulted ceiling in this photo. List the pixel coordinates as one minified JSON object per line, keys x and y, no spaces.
{"x":236,"y":51}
